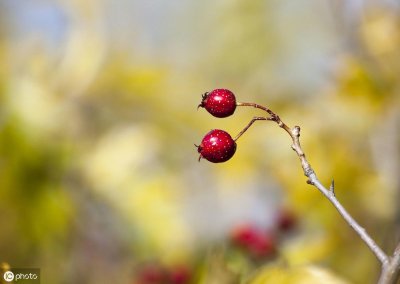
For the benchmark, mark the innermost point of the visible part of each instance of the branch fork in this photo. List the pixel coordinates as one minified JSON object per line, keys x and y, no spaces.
{"x":390,"y":265}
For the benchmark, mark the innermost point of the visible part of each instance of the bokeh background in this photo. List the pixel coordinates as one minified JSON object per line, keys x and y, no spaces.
{"x":99,"y":178}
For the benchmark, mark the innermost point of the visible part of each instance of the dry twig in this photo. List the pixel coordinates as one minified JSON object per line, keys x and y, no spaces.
{"x":390,"y":265}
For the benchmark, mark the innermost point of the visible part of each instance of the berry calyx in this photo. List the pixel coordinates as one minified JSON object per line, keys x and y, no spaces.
{"x":219,"y":102}
{"x":217,"y":146}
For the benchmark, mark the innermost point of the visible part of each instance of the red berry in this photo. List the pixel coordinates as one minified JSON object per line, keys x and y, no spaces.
{"x":254,"y":241}
{"x":219,"y":102}
{"x":179,"y":275}
{"x":217,"y":146}
{"x":151,"y":274}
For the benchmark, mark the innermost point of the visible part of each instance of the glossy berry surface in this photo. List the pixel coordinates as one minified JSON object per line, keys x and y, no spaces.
{"x":219,"y":102}
{"x":217,"y":146}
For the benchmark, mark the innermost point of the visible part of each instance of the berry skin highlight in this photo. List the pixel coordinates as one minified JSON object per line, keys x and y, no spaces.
{"x":219,"y":102}
{"x":217,"y":146}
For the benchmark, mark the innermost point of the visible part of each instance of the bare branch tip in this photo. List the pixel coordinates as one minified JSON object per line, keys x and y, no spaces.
{"x":296,"y":131}
{"x":332,"y":186}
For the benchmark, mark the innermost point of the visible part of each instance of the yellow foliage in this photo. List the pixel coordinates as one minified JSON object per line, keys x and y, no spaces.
{"x":154,"y":208}
{"x":308,"y":248}
{"x":278,"y":274}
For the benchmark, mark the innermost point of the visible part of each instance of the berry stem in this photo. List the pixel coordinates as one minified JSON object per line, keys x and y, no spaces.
{"x":273,"y":117}
{"x":256,"y":118}
{"x":270,"y":112}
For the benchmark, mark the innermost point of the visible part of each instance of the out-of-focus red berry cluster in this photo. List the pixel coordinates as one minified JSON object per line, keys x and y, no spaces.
{"x":258,"y":242}
{"x":154,"y":273}
{"x":254,"y":242}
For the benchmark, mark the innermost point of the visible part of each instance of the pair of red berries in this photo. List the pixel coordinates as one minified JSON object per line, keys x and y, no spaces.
{"x":217,"y":145}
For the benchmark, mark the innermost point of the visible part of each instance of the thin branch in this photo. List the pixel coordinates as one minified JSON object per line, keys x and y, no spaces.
{"x":332,"y":187}
{"x":391,"y":272}
{"x":329,"y":194}
{"x":383,"y":258}
{"x":256,"y":118}
{"x":312,"y":179}
{"x":390,"y":265}
{"x":270,"y":112}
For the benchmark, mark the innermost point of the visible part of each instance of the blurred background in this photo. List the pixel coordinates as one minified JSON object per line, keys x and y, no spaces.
{"x":99,"y":178}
